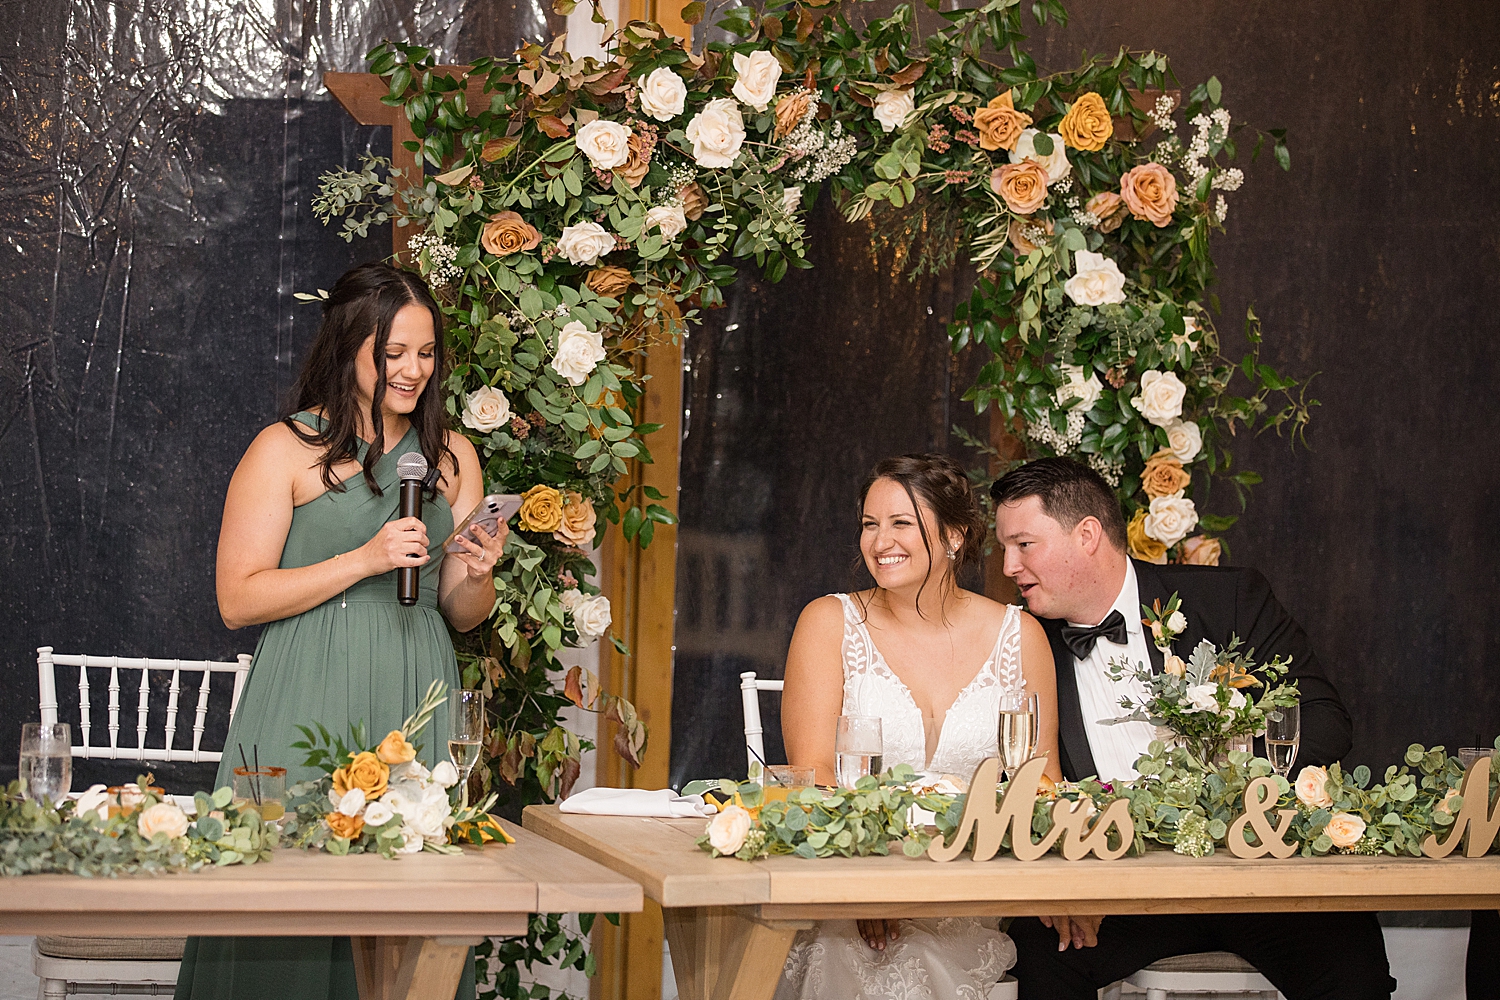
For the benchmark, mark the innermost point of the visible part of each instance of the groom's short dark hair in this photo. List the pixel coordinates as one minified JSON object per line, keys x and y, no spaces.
{"x":1069,"y":491}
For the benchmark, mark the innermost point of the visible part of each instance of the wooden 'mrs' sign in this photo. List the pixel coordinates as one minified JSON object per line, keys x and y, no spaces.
{"x":1476,"y":823}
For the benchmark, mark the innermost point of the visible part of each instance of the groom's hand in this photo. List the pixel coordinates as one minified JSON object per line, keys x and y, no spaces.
{"x":876,"y":932}
{"x":1080,"y":932}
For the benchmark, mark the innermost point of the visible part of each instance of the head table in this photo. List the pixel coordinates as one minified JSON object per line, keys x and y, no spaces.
{"x":730,"y":922}
{"x":412,"y":919}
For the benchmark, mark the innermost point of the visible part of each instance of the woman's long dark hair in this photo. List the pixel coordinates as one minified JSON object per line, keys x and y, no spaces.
{"x":363,"y":302}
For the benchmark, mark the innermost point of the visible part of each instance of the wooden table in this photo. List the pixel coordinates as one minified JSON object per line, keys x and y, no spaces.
{"x":412,"y":919}
{"x":730,"y":923}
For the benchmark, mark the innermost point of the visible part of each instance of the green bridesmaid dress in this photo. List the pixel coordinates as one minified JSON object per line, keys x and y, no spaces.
{"x":359,"y":657}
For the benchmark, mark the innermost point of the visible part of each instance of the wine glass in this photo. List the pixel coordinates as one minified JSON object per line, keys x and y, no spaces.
{"x":1283,"y":735}
{"x":46,"y":769}
{"x":858,"y":748}
{"x":465,"y":732}
{"x":1019,"y":722}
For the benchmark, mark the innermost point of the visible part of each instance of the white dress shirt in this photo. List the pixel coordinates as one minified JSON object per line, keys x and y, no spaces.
{"x":1115,"y":748}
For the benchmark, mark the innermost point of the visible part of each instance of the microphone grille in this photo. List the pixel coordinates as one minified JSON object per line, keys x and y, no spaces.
{"x":412,"y":465}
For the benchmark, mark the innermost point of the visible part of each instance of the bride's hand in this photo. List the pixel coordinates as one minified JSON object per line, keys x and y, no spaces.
{"x":876,"y":932}
{"x":1080,"y":932}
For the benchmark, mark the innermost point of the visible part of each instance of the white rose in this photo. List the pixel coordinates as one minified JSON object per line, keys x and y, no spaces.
{"x":411,"y":841}
{"x":1077,"y":387}
{"x":1185,"y":438}
{"x":585,"y":243}
{"x":727,"y":831}
{"x":378,"y":814}
{"x":579,"y":352}
{"x":412,"y":771}
{"x":757,"y":75}
{"x":791,"y":199}
{"x":1176,"y":622}
{"x":1056,"y":163}
{"x":352,"y":802}
{"x":1161,"y":396}
{"x":1236,"y":699}
{"x":591,"y":616}
{"x":1170,"y":518}
{"x":605,"y":143}
{"x":717,"y":132}
{"x":1189,"y":328}
{"x":1096,"y":280}
{"x":571,"y":598}
{"x":486,"y":409}
{"x":669,"y":218}
{"x":164,"y":817}
{"x":892,"y":107}
{"x":445,"y":774}
{"x":1312,"y":787}
{"x":95,"y":800}
{"x":1345,"y":829}
{"x":1202,"y":697}
{"x":662,"y":94}
{"x":430,"y":818}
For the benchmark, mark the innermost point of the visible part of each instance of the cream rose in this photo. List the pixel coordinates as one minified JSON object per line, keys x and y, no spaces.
{"x":1174,"y":665}
{"x":591,"y":616}
{"x":668,"y":218}
{"x":1201,"y":551}
{"x":727,"y":831}
{"x":1312,"y":787}
{"x":1170,"y":519}
{"x":485,"y":410}
{"x":411,"y":841}
{"x":756,"y":75}
{"x":1177,"y":622}
{"x":1086,"y":390}
{"x":571,"y":598}
{"x":605,"y":143}
{"x":662,"y":94}
{"x":1096,"y":280}
{"x":1203,"y":697}
{"x":445,"y":774}
{"x":585,"y":243}
{"x":1185,"y":439}
{"x":892,"y":107}
{"x":1344,"y":829}
{"x":1056,"y":162}
{"x":579,"y":351}
{"x":1161,"y":396}
{"x":378,"y":814}
{"x":164,"y":817}
{"x":791,"y":198}
{"x":717,"y":132}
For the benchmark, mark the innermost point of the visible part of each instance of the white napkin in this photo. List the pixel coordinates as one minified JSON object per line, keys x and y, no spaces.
{"x":663,"y":803}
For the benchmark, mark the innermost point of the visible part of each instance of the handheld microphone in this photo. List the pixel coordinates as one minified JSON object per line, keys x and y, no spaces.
{"x":412,"y":470}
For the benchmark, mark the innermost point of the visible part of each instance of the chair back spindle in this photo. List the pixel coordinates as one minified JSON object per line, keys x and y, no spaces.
{"x":750,"y":688}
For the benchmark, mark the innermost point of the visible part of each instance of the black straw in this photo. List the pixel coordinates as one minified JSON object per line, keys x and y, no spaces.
{"x":255,"y":749}
{"x":765,"y":769}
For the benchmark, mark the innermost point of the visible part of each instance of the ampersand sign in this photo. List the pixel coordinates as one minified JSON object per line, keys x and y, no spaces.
{"x":1260,"y":796}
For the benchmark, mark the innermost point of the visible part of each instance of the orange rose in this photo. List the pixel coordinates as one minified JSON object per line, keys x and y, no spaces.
{"x":610,"y":282}
{"x":541,"y":509}
{"x":395,"y":750}
{"x":508,"y":233}
{"x":1164,"y":475}
{"x":578,"y":521}
{"x":1023,"y":185}
{"x":789,"y":111}
{"x":364,"y":772}
{"x":638,"y":162}
{"x":1019,"y":229}
{"x":1142,"y":545}
{"x":999,"y":123}
{"x":347,"y":827}
{"x":694,"y":201}
{"x":1201,"y":551}
{"x":1109,"y":208}
{"x":1151,"y":192}
{"x":1087,"y":124}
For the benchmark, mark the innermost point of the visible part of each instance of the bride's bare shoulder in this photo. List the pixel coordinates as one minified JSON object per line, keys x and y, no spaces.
{"x":825,"y":614}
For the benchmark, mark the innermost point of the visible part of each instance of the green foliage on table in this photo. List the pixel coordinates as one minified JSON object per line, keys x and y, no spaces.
{"x":36,"y":838}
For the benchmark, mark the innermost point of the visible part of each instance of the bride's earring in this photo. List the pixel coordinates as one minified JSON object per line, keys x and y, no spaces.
{"x":952,"y":554}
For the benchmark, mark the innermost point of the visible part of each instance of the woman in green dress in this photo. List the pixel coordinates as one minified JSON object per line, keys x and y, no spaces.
{"x":309,"y":546}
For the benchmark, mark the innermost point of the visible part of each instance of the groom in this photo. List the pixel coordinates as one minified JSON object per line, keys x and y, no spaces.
{"x":1065,"y":548}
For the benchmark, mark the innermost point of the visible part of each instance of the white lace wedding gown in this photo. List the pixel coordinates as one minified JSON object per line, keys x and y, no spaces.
{"x":934,"y":958}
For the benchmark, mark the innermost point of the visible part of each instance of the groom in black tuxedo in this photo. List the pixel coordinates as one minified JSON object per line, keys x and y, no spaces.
{"x":1065,"y":548}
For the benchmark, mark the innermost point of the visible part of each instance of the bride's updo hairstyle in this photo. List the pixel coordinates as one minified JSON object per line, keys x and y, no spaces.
{"x":940,"y":484}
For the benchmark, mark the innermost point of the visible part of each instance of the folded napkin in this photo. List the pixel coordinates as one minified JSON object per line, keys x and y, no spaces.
{"x":663,"y":803}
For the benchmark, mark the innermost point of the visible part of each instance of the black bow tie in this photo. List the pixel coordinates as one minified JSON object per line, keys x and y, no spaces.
{"x":1080,"y":639}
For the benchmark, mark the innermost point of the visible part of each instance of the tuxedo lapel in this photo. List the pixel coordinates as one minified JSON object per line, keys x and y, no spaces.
{"x":1072,"y":739}
{"x":1149,"y":585}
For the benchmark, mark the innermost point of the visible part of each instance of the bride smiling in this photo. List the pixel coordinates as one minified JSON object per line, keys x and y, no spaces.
{"x":932,"y":661}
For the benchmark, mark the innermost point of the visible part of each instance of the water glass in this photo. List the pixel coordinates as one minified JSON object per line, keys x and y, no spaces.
{"x":46,"y":770}
{"x":1019,"y":723}
{"x":465,"y":730}
{"x":858,"y":749}
{"x":1283,"y":736}
{"x":1468,"y":755}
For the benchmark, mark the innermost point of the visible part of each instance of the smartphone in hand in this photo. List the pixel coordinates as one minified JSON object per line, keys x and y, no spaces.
{"x":490,"y":512}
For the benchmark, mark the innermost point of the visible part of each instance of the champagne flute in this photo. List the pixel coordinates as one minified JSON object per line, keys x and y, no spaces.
{"x":46,"y":766}
{"x":1018,"y":731}
{"x":858,"y":748}
{"x":1283,"y":735}
{"x":465,"y":733}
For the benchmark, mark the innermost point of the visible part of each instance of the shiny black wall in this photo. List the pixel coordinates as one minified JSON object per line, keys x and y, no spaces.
{"x":1373,"y":264}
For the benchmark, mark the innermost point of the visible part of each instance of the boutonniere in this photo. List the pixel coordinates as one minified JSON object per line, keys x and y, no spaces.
{"x":1165,"y":623}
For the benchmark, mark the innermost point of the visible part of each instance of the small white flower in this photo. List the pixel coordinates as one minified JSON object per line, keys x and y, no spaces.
{"x":445,"y":774}
{"x":486,"y":409}
{"x":1056,"y":162}
{"x":605,"y":143}
{"x":663,"y":94}
{"x":791,"y":198}
{"x":412,"y":770}
{"x":668,"y":218}
{"x":1236,"y":699}
{"x":591,"y":616}
{"x":579,"y":351}
{"x":378,"y":814}
{"x":892,"y":107}
{"x":1160,"y":400}
{"x":411,"y":840}
{"x":1177,"y":622}
{"x":756,"y":75}
{"x":1086,"y":390}
{"x":717,"y":133}
{"x":1170,"y":518}
{"x":352,"y":802}
{"x":1096,"y":281}
{"x":1185,"y":438}
{"x":1203,"y":697}
{"x":585,"y":243}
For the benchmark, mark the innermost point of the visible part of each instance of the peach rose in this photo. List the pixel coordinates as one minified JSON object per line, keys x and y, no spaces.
{"x":1164,"y":475}
{"x":1023,"y":185}
{"x":394,"y":749}
{"x":578,"y":520}
{"x":1142,"y":545}
{"x":610,"y":282}
{"x":541,"y":509}
{"x":1019,"y":229}
{"x":1312,"y":787}
{"x":508,"y":233}
{"x":1345,"y":829}
{"x":1150,"y":191}
{"x":365,"y":772}
{"x":1201,"y":551}
{"x":1109,"y":208}
{"x":999,"y":124}
{"x":1447,"y":804}
{"x":164,"y":817}
{"x":637,"y":161}
{"x":789,"y":111}
{"x":694,"y":201}
{"x":347,"y":827}
{"x":1087,"y":124}
{"x":727,"y":831}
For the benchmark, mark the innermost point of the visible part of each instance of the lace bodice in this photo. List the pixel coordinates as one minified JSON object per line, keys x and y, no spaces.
{"x":969,"y":731}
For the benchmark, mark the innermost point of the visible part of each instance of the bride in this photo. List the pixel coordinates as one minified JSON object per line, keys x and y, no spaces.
{"x":932,"y":660}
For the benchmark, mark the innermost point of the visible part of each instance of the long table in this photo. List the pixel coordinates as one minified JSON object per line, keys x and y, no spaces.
{"x":730,"y":923}
{"x":412,"y":919}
